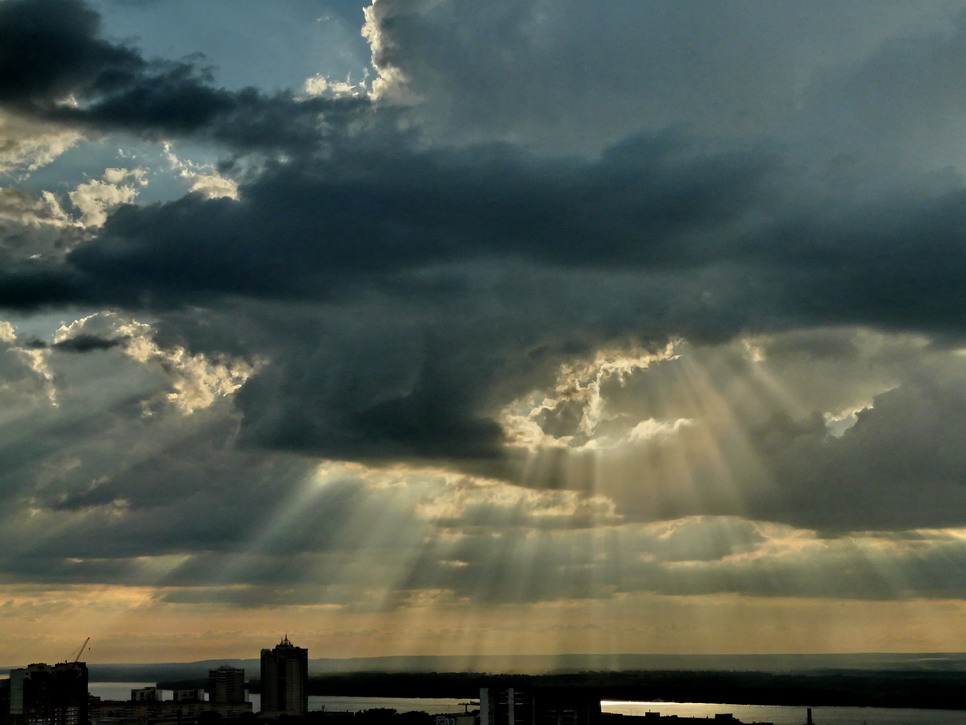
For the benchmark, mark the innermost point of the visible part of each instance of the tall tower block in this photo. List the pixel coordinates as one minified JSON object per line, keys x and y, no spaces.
{"x":285,"y":673}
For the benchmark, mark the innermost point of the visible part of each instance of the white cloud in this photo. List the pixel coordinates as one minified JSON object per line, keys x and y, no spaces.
{"x":320,"y":85}
{"x":26,"y":381}
{"x":24,"y":209}
{"x":7,"y":332}
{"x":390,"y":81}
{"x":205,"y":180}
{"x":27,"y":145}
{"x":577,"y":391}
{"x":196,"y":380}
{"x":96,"y":199}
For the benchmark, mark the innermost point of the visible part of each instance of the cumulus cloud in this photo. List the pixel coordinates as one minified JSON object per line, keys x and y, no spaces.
{"x":319,"y":85}
{"x":25,"y":210}
{"x":28,"y":144}
{"x":42,"y":228}
{"x":205,"y":179}
{"x":197,"y":381}
{"x":95,"y":199}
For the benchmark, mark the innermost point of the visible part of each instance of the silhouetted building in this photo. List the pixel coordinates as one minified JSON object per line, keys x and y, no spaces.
{"x":4,"y":701}
{"x":515,"y":706}
{"x":192,"y":695}
{"x":506,"y":706}
{"x":285,"y":674}
{"x":146,"y":694}
{"x":656,"y":718}
{"x":226,"y":685}
{"x":42,"y":694}
{"x":456,"y":718}
{"x":113,"y":712}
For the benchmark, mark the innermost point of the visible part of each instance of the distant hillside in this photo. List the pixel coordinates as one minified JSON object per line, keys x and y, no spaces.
{"x":538,"y":664}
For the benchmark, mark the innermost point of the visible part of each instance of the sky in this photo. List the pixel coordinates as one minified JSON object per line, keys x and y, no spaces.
{"x":460,"y":328}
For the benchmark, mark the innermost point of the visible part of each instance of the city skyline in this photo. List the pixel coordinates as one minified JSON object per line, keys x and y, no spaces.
{"x":437,"y":327}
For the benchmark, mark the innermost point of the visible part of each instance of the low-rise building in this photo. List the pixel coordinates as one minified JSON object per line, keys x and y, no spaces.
{"x":115,"y":712}
{"x":516,"y":706}
{"x":226,"y":685}
{"x":460,"y":718}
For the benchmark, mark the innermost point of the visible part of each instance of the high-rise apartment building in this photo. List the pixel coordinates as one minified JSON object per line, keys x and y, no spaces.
{"x":226,"y":685}
{"x":285,"y":674}
{"x":43,"y":694}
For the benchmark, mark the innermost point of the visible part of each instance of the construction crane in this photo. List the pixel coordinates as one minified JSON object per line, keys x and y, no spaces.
{"x":77,"y":655}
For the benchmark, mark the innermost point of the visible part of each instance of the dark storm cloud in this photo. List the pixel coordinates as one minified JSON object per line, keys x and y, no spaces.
{"x":50,"y":48}
{"x":569,"y":74}
{"x":456,"y":267}
{"x":31,"y":284}
{"x":666,"y":207}
{"x":892,"y":262}
{"x":87,"y":343}
{"x":797,"y":243}
{"x":169,"y":499}
{"x":886,"y":472}
{"x":450,"y":285}
{"x":329,"y":230}
{"x":77,"y":344}
{"x":312,"y":229}
{"x":53,"y":50}
{"x":902,"y":103}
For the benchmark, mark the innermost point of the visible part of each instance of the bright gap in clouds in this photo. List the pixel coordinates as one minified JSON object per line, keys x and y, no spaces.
{"x":653,"y":427}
